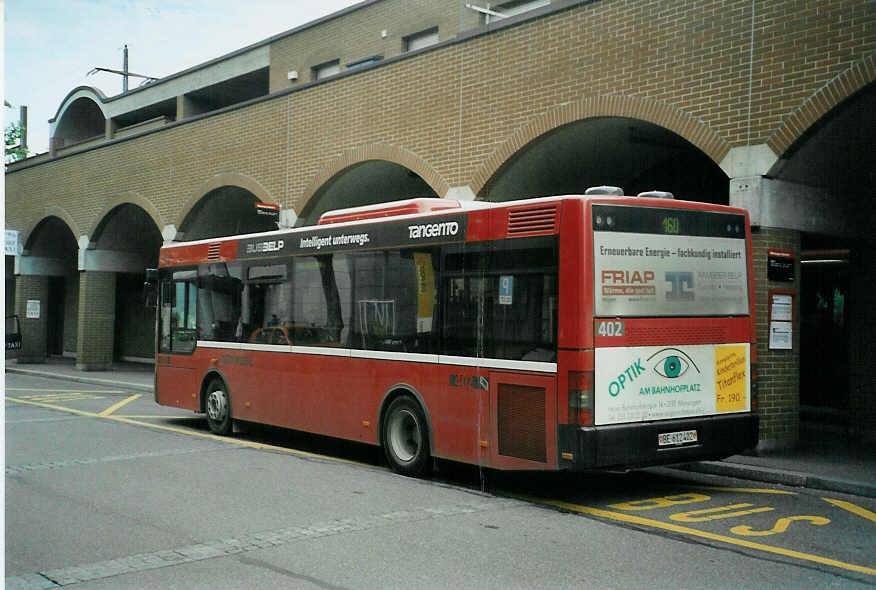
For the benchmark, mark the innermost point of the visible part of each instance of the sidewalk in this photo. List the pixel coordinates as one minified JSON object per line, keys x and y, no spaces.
{"x":136,"y":376}
{"x":822,"y":461}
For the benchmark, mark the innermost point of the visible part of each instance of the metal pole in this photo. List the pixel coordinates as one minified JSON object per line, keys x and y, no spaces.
{"x":125,"y":69}
{"x":22,"y":118}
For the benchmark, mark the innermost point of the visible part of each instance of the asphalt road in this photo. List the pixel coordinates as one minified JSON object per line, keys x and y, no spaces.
{"x":105,"y":489}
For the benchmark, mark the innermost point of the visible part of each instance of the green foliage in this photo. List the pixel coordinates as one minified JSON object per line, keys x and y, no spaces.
{"x":14,"y":150}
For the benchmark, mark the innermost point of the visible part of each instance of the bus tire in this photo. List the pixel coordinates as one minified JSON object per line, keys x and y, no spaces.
{"x":406,"y":438}
{"x":218,"y":407}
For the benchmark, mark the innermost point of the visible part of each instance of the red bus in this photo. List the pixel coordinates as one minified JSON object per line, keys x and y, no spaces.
{"x":562,"y":333}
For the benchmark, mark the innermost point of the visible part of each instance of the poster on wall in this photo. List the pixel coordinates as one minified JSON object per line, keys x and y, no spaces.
{"x":781,"y":310}
{"x":33,"y":309}
{"x":780,"y":265}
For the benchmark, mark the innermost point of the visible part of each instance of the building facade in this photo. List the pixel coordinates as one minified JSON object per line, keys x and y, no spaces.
{"x":767,"y":105}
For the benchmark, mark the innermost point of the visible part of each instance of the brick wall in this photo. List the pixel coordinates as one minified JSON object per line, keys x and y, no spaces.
{"x":778,"y":370}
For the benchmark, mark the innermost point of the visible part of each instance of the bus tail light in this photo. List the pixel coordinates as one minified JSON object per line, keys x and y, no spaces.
{"x":581,"y":398}
{"x":754,"y":387}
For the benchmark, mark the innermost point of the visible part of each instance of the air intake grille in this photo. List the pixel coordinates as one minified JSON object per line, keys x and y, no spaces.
{"x":213,"y":252}
{"x":521,"y":422}
{"x":658,"y":335}
{"x":532,"y":220}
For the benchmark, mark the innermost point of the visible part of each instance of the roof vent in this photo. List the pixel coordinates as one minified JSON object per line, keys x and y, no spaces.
{"x":656,"y":195}
{"x":614,"y":191}
{"x":530,"y":220}
{"x":214,"y":251}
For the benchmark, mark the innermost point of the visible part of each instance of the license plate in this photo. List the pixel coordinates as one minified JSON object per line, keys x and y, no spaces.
{"x":676,"y":438}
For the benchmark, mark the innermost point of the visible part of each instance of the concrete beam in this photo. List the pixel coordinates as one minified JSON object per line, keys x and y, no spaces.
{"x":111,"y":261}
{"x":781,"y":204}
{"x":44,"y":267}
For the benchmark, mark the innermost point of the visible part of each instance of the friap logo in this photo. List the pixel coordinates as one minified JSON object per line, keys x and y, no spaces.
{"x":668,"y":363}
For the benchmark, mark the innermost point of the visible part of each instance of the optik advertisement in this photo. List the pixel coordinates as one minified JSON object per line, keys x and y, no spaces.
{"x":635,"y":384}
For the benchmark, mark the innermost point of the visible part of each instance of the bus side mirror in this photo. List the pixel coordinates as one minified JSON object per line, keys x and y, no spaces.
{"x":150,"y":289}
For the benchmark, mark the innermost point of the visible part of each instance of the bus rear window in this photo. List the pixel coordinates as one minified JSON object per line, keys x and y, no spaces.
{"x":651,"y":262}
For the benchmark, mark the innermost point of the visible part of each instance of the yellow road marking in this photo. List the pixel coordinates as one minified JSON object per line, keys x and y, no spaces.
{"x":207,"y":435}
{"x":61,"y":397}
{"x":188,"y":416}
{"x":852,"y":508}
{"x":718,"y":513}
{"x":781,"y":526}
{"x":66,"y":390}
{"x":746,"y":490}
{"x":114,"y":407}
{"x":639,"y":520}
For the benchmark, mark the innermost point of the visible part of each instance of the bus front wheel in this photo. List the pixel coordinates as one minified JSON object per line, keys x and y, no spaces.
{"x":218,"y":406}
{"x":406,"y":438}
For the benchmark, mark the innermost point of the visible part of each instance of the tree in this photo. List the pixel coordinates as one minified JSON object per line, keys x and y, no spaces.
{"x":12,"y":136}
{"x":14,"y":149}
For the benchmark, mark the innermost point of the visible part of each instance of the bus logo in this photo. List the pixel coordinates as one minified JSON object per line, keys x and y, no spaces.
{"x":267,"y":246}
{"x":681,"y":286}
{"x":628,"y":282}
{"x":433,"y":230}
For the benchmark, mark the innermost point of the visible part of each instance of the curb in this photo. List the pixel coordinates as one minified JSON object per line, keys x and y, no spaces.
{"x":148,"y":388}
{"x":782,"y":477}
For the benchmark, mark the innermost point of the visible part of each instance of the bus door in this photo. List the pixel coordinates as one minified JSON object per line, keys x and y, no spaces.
{"x":177,"y":381}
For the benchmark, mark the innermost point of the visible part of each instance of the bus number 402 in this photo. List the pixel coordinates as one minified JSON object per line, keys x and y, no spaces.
{"x":604,"y":328}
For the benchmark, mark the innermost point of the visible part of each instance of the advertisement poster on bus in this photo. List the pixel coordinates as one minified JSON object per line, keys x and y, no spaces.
{"x":658,"y":275}
{"x":635,"y":384}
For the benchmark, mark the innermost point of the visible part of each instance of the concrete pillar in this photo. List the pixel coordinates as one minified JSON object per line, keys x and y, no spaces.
{"x":110,"y":128}
{"x":32,"y":290}
{"x":96,"y":326}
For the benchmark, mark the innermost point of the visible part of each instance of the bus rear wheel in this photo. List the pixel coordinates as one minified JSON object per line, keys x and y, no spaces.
{"x":218,"y":406}
{"x":406,"y":438}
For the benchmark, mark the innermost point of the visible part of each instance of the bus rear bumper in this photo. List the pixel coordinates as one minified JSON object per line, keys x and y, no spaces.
{"x":621,"y":446}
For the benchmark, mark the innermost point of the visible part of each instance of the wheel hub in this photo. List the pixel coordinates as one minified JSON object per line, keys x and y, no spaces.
{"x":404,"y":436}
{"x":216,"y":405}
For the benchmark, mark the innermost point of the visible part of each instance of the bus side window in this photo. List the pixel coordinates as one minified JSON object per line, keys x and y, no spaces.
{"x":521,"y":303}
{"x":220,"y":287}
{"x":500,"y":300}
{"x":319,"y":311}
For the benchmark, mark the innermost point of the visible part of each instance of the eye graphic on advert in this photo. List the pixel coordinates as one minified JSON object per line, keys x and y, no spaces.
{"x":671,"y":363}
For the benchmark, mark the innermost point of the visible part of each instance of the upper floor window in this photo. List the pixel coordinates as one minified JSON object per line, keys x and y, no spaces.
{"x":494,"y":12}
{"x":421,"y":39}
{"x":364,"y":62}
{"x":324,"y":70}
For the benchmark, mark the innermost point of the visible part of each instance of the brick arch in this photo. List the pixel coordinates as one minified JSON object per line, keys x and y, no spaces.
{"x":860,"y":74}
{"x":659,"y":113}
{"x":127,"y":198}
{"x":225,"y":179}
{"x":52,"y":210}
{"x":375,"y":151}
